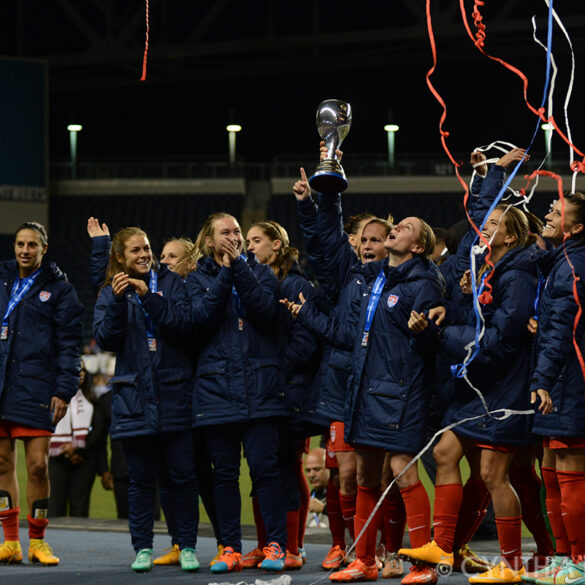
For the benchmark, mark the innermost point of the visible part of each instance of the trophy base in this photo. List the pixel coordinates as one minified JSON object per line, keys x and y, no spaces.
{"x":328,"y":178}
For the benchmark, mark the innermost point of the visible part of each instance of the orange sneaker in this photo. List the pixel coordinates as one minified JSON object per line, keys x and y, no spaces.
{"x":467,"y":561}
{"x":421,"y":574}
{"x":10,"y":552}
{"x":430,"y":553}
{"x":356,"y":571}
{"x":229,"y":561}
{"x":293,"y":562}
{"x":334,"y":558}
{"x":170,"y":556}
{"x":252,"y":559}
{"x":40,"y":552}
{"x":501,"y":573}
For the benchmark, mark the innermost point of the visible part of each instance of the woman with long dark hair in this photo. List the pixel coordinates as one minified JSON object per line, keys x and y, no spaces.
{"x":559,"y":372}
{"x":40,"y":337}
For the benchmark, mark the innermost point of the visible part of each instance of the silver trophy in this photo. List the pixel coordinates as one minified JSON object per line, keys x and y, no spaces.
{"x":333,"y":124}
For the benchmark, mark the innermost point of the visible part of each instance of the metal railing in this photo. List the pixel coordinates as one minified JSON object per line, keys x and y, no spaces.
{"x":422,"y":164}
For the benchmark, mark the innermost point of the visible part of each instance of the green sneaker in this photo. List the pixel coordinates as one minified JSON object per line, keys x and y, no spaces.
{"x":550,"y":570}
{"x":188,"y":560}
{"x":143,"y":562}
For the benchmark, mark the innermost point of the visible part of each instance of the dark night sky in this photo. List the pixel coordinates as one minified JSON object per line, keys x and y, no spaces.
{"x":277,"y":109}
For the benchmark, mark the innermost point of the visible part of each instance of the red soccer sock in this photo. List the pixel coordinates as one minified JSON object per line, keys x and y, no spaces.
{"x":260,"y":527}
{"x":336,"y":523}
{"x":448,"y":499}
{"x":347,"y":505}
{"x":553,"y":510}
{"x":36,"y":527}
{"x":474,"y":503}
{"x":365,"y":547}
{"x":9,"y":520}
{"x":292,"y":531}
{"x":527,"y":485}
{"x":303,"y":485}
{"x":572,"y":484}
{"x":393,"y":520}
{"x":418,"y":514}
{"x":510,"y":537}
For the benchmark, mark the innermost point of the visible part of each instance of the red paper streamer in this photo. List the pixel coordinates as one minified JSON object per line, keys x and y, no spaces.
{"x":145,"y":56}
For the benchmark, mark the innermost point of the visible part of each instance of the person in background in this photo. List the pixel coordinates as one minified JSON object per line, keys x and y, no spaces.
{"x":318,"y":476}
{"x":74,"y":452}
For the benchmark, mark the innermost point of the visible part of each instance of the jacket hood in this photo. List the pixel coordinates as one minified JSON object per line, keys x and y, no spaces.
{"x":523,"y":259}
{"x":548,"y":258}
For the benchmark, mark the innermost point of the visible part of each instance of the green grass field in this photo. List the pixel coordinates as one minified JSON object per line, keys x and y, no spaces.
{"x":103,"y":504}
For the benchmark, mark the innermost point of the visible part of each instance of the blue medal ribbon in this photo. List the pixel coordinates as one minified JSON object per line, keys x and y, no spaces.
{"x":373,"y":305}
{"x":150,"y":328}
{"x":19,"y":289}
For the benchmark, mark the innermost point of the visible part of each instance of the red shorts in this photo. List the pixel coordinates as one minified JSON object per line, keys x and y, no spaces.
{"x":336,"y":432}
{"x":563,"y":443}
{"x":511,"y":449}
{"x":12,"y":430}
{"x":330,"y":459}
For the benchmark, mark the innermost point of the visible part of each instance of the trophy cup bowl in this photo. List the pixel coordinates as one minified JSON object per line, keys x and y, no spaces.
{"x":333,"y":123}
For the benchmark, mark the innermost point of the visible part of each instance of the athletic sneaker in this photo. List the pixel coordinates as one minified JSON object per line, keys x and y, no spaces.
{"x":188,"y":560}
{"x":216,"y":557}
{"x":430,"y":553}
{"x":467,"y":561}
{"x":570,"y":573}
{"x":170,"y":556}
{"x":293,"y":562}
{"x":350,"y":557}
{"x":253,"y":558}
{"x":40,"y":552}
{"x":303,"y":554}
{"x":356,"y":571}
{"x":230,"y":560}
{"x":334,"y":558}
{"x":536,"y":562}
{"x":10,"y":552}
{"x":393,"y":566}
{"x":421,"y":574}
{"x":550,"y":570}
{"x":274,"y":558}
{"x":143,"y":562}
{"x":501,"y":573}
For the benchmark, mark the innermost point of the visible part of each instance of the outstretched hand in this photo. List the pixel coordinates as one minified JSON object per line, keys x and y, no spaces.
{"x":94,"y":229}
{"x":515,"y":155}
{"x":294,"y":308}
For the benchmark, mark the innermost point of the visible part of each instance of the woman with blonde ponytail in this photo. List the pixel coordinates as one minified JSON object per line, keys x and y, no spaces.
{"x":239,"y":389}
